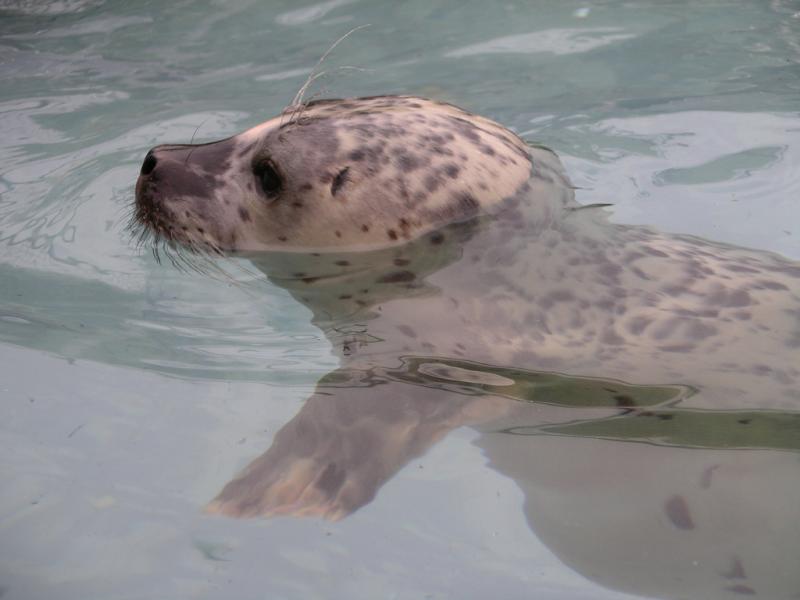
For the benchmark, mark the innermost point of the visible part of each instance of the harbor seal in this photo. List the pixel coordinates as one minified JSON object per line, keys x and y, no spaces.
{"x":459,"y":283}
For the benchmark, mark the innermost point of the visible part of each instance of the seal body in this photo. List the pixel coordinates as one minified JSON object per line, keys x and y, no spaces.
{"x":413,"y":228}
{"x":460,"y":284}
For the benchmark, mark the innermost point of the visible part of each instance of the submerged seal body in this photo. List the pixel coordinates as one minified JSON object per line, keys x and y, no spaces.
{"x":460,"y":283}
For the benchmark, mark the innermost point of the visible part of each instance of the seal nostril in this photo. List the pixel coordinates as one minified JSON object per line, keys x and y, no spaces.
{"x":149,"y":163}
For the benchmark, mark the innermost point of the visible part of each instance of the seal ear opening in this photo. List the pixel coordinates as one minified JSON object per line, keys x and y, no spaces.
{"x":269,"y":178}
{"x":339,"y":181}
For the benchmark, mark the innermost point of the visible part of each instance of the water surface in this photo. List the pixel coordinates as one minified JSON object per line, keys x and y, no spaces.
{"x":132,"y":393}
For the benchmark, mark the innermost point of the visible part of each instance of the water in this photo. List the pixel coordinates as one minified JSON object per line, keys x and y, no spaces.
{"x":132,"y":393}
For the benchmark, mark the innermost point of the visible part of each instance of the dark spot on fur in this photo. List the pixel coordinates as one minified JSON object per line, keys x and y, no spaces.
{"x":392,"y":234}
{"x":677,"y":511}
{"x":297,"y":204}
{"x":654,"y":252}
{"x":397,"y":277}
{"x":741,"y":269}
{"x":244,"y":214}
{"x":772,"y":285}
{"x":339,"y":181}
{"x":406,"y":161}
{"x":309,"y":279}
{"x":638,"y":324}
{"x":365,"y":228}
{"x":486,"y":149}
{"x":466,"y":129}
{"x":432,"y":183}
{"x":736,"y":570}
{"x":345,"y":297}
{"x":402,"y":188}
{"x":282,"y":238}
{"x":452,"y":170}
{"x":466,"y":202}
{"x":357,"y":155}
{"x":401,"y":262}
{"x":306,"y":187}
{"x":681,"y":348}
{"x":338,"y":233}
{"x":342,"y":263}
{"x":611,"y":337}
{"x":406,"y":330}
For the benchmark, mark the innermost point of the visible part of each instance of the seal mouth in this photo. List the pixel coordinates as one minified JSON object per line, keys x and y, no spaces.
{"x":151,"y":216}
{"x":153,"y":224}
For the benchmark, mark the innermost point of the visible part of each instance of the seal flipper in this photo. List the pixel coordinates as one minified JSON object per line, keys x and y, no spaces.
{"x":343,"y":445}
{"x":362,"y":425}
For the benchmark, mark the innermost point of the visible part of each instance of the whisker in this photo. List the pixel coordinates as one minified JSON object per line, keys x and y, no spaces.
{"x":299,"y":96}
{"x":298,"y":104}
{"x":191,"y":141}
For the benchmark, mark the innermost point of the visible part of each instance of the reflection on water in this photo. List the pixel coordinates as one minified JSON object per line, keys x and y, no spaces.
{"x":362,"y":426}
{"x":642,"y":516}
{"x":604,"y":369}
{"x":623,"y":484}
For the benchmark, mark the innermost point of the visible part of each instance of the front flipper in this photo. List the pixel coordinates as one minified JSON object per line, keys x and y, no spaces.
{"x":348,"y":439}
{"x":362,"y":426}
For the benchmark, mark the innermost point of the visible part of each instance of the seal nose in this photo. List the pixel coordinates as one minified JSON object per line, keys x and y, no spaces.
{"x":147,"y":182}
{"x":150,"y":162}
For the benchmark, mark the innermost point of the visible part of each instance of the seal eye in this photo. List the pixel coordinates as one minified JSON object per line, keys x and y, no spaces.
{"x":269,"y":178}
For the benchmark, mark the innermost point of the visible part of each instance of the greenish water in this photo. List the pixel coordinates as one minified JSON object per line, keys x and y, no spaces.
{"x":131,"y":393}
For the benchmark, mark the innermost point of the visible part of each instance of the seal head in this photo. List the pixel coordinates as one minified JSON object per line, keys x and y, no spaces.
{"x":353,"y":174}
